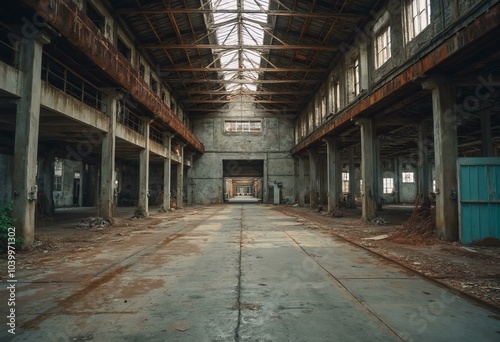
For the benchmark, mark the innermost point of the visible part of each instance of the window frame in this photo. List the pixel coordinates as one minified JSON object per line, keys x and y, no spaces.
{"x":243,"y":126}
{"x":58,"y":174}
{"x":388,"y":185}
{"x":382,"y":46}
{"x":345,"y":182}
{"x":411,"y":31}
{"x":408,"y":177}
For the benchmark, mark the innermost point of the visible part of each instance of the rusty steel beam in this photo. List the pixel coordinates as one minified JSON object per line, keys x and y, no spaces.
{"x":481,"y":26}
{"x":67,"y":18}
{"x":242,"y":101}
{"x":186,"y":46}
{"x":211,"y":69}
{"x":295,"y":14}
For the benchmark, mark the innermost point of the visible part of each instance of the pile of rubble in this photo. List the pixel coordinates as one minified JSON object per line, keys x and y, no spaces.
{"x":94,"y":222}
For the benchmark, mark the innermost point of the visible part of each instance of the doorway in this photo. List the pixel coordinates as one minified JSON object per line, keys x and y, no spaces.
{"x":243,"y":181}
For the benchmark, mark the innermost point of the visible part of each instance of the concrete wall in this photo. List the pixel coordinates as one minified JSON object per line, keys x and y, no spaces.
{"x":64,"y":198}
{"x":272,"y":146}
{"x":6,"y":173}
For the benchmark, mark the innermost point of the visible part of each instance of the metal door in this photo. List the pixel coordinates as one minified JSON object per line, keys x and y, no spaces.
{"x":479,"y":196}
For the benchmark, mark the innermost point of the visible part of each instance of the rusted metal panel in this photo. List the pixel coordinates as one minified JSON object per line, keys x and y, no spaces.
{"x":77,"y":28}
{"x":480,"y":27}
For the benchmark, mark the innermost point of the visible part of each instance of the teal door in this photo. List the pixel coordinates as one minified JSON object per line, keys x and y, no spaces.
{"x":479,"y":196}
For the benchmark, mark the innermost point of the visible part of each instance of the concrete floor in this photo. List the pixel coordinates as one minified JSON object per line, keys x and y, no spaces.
{"x":241,"y":272}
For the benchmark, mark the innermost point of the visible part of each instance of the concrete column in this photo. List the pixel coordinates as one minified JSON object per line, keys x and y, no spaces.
{"x":397,"y":175}
{"x":26,"y":139}
{"x":368,"y":168}
{"x":47,"y":172}
{"x":352,"y":179}
{"x":313,"y":178}
{"x":144,"y":170}
{"x":423,"y":164}
{"x":379,"y":182}
{"x":167,"y":171}
{"x":180,"y":178}
{"x":333,"y":170}
{"x":302,"y":181}
{"x":190,"y":176}
{"x":446,"y":154}
{"x":107,"y":195}
{"x":486,"y":139}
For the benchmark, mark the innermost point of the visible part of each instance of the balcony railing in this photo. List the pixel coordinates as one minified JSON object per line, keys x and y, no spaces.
{"x":130,"y":117}
{"x":155,"y":135}
{"x":61,"y":77}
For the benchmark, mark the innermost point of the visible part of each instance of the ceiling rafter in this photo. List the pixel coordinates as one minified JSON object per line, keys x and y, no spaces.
{"x":279,"y":13}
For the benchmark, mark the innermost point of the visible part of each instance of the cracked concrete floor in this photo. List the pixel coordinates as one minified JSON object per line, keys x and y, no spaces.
{"x":236,"y":273}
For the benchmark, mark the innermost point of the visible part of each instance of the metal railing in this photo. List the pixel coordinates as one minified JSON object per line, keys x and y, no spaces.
{"x":155,"y":135}
{"x":7,"y":51}
{"x":61,"y":77}
{"x":130,"y":117}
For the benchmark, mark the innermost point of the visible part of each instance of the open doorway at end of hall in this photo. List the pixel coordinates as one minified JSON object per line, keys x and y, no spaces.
{"x":242,"y":181}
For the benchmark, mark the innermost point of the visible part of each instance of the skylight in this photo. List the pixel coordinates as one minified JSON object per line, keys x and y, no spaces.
{"x":236,"y":27}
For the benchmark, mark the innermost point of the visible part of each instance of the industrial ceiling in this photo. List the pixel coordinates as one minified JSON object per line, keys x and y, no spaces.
{"x":266,"y":56}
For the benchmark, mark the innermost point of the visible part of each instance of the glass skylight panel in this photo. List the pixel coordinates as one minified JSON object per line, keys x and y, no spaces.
{"x":235,"y":27}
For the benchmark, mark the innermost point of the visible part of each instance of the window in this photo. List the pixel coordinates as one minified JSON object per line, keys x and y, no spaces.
{"x":408,"y":177}
{"x":243,"y":126}
{"x":336,"y":97}
{"x":96,"y":17}
{"x":383,"y":46}
{"x":345,"y":182}
{"x":58,"y":172}
{"x":388,"y":184}
{"x":123,"y":48}
{"x":142,"y":70}
{"x":354,"y":76}
{"x":418,"y":17}
{"x":154,"y":83}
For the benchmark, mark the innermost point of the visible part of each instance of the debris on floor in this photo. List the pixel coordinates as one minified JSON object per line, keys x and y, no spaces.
{"x":379,"y":221}
{"x":93,"y":222}
{"x":378,"y":237}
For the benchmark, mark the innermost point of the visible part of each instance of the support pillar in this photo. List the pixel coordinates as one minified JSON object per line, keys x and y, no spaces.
{"x":47,"y":171}
{"x":333,"y":170}
{"x":486,"y":139}
{"x":423,"y":164}
{"x":26,"y":139}
{"x":167,"y":171}
{"x":302,"y":181}
{"x":446,"y":154}
{"x":368,"y":169}
{"x":190,"y":176}
{"x":144,"y":170}
{"x":107,"y":197}
{"x":313,"y":178}
{"x":180,"y":179}
{"x":352,"y":179}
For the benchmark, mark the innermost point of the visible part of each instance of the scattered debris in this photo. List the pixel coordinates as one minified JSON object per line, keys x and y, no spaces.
{"x":378,"y":237}
{"x":469,"y":249}
{"x":379,"y":221}
{"x":420,"y":227}
{"x":93,"y":222}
